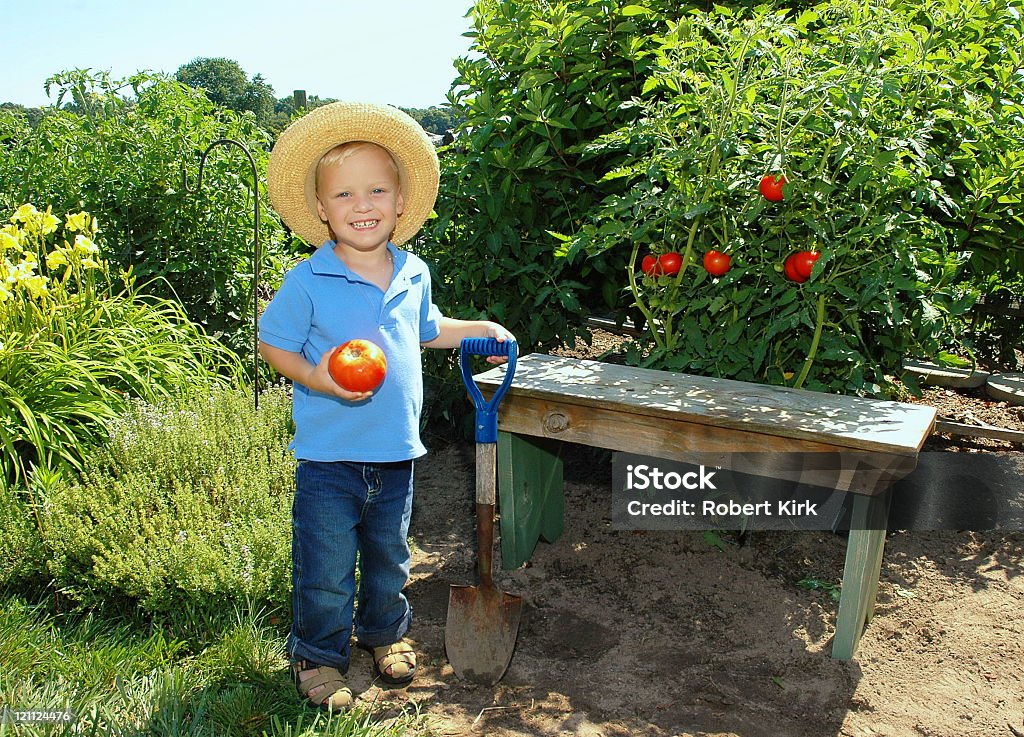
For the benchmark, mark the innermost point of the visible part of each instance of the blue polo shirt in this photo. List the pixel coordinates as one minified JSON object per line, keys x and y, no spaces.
{"x":322,"y":303}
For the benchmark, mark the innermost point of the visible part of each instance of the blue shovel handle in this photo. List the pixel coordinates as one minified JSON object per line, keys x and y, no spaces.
{"x":487,"y":412}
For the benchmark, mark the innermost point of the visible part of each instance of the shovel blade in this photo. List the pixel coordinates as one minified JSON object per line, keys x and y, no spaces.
{"x":480,"y":633}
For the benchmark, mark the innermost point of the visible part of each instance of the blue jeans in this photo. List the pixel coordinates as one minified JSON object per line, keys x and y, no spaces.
{"x":340,"y":509}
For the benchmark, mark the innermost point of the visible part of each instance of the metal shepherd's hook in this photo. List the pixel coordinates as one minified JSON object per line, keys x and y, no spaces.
{"x":256,"y":255}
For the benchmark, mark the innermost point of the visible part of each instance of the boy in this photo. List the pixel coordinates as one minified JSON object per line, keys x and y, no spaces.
{"x":360,"y":179}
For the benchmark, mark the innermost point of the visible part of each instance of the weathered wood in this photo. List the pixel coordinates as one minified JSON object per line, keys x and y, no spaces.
{"x":677,"y":440}
{"x":949,"y":427}
{"x":770,"y":411}
{"x":860,"y":574}
{"x":486,"y":472}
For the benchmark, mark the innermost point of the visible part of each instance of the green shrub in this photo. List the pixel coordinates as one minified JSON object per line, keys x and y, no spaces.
{"x":545,"y":80}
{"x":77,"y":343}
{"x":185,"y":509}
{"x":21,"y":550}
{"x":123,"y":159}
{"x":850,"y":102}
{"x":593,"y":127}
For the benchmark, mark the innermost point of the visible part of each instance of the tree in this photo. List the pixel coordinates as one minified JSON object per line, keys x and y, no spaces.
{"x":30,"y":115}
{"x":223,"y":80}
{"x":121,"y":159}
{"x":227,"y":85}
{"x":436,"y":118}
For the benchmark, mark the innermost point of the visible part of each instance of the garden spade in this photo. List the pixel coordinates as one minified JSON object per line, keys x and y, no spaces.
{"x":480,"y":633}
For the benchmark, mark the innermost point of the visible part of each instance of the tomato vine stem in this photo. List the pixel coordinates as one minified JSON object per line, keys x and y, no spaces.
{"x":820,"y":322}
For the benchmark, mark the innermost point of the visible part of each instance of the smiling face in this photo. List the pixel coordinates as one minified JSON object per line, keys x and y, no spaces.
{"x":358,"y":195}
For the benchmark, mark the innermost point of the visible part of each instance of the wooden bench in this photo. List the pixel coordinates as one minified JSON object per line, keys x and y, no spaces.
{"x":674,"y":416}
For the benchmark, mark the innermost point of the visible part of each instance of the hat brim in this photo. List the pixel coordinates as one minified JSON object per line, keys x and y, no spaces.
{"x":291,"y":170}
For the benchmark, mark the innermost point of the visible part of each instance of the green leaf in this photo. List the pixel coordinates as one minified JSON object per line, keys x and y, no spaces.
{"x":634,"y":10}
{"x":712,"y":538}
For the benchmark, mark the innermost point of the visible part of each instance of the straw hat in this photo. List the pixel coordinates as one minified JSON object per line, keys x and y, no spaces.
{"x":291,"y":171}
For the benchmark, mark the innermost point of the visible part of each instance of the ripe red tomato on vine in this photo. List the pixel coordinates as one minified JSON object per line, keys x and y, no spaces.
{"x":667,"y":264}
{"x":789,"y":269}
{"x":717,"y":263}
{"x":803,"y":262}
{"x":650,"y":265}
{"x":771,"y":187}
{"x":670,"y":263}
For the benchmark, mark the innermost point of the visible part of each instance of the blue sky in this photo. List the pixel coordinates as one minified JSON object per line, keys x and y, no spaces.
{"x":398,"y":52}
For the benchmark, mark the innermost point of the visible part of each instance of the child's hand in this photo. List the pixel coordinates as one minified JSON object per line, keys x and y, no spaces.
{"x":321,"y":381}
{"x":499,"y":333}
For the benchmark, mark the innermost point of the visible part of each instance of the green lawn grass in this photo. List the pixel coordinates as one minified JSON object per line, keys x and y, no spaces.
{"x":121,"y":676}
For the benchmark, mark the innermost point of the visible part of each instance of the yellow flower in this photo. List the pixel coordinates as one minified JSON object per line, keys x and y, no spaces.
{"x":90,"y":263}
{"x":55,"y":258}
{"x":48,"y":222}
{"x":42,"y":223}
{"x":85,"y":246}
{"x":22,"y":271}
{"x":4,"y":293}
{"x":8,"y":241}
{"x":24,"y":214}
{"x":79,"y":221}
{"x":35,"y":285}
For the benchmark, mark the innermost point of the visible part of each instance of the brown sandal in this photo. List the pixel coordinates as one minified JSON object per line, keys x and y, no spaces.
{"x":395,"y":664}
{"x":338,"y":696}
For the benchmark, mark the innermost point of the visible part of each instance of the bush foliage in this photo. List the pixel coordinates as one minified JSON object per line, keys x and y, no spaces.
{"x":78,"y":342}
{"x":123,"y":159}
{"x":606,"y":131}
{"x":849,"y":102}
{"x":186,"y":509}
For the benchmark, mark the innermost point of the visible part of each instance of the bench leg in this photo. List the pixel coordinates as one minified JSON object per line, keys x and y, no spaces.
{"x":860,"y":574}
{"x":530,"y":495}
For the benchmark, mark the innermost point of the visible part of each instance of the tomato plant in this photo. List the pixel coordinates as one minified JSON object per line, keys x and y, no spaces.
{"x":358,"y":366}
{"x":717,"y":263}
{"x":771,"y":187}
{"x":670,"y":263}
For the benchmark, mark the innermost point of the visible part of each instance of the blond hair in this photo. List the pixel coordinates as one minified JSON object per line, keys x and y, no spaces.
{"x":337,"y":155}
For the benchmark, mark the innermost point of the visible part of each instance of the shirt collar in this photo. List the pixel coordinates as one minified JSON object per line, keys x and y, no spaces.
{"x":324,"y":262}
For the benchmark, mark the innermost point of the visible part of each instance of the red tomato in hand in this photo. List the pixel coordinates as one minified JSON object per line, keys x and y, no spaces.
{"x":771,"y":187}
{"x":650,"y":265}
{"x":717,"y":263}
{"x":670,"y":263}
{"x":358,"y":365}
{"x":789,"y":268}
{"x":803,"y":262}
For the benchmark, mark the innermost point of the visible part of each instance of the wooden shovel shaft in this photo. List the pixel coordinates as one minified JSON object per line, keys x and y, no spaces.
{"x":486,"y":469}
{"x":486,"y":472}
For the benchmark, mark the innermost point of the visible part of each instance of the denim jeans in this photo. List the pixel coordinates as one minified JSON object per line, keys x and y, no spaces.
{"x":340,"y":509}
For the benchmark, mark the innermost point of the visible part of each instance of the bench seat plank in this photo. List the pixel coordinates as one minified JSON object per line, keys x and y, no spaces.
{"x":821,"y":421}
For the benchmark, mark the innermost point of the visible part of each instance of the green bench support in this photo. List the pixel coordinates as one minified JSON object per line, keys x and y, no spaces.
{"x":532,"y":504}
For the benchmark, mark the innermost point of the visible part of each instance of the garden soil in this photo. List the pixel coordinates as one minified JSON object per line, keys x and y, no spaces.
{"x":665,"y":633}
